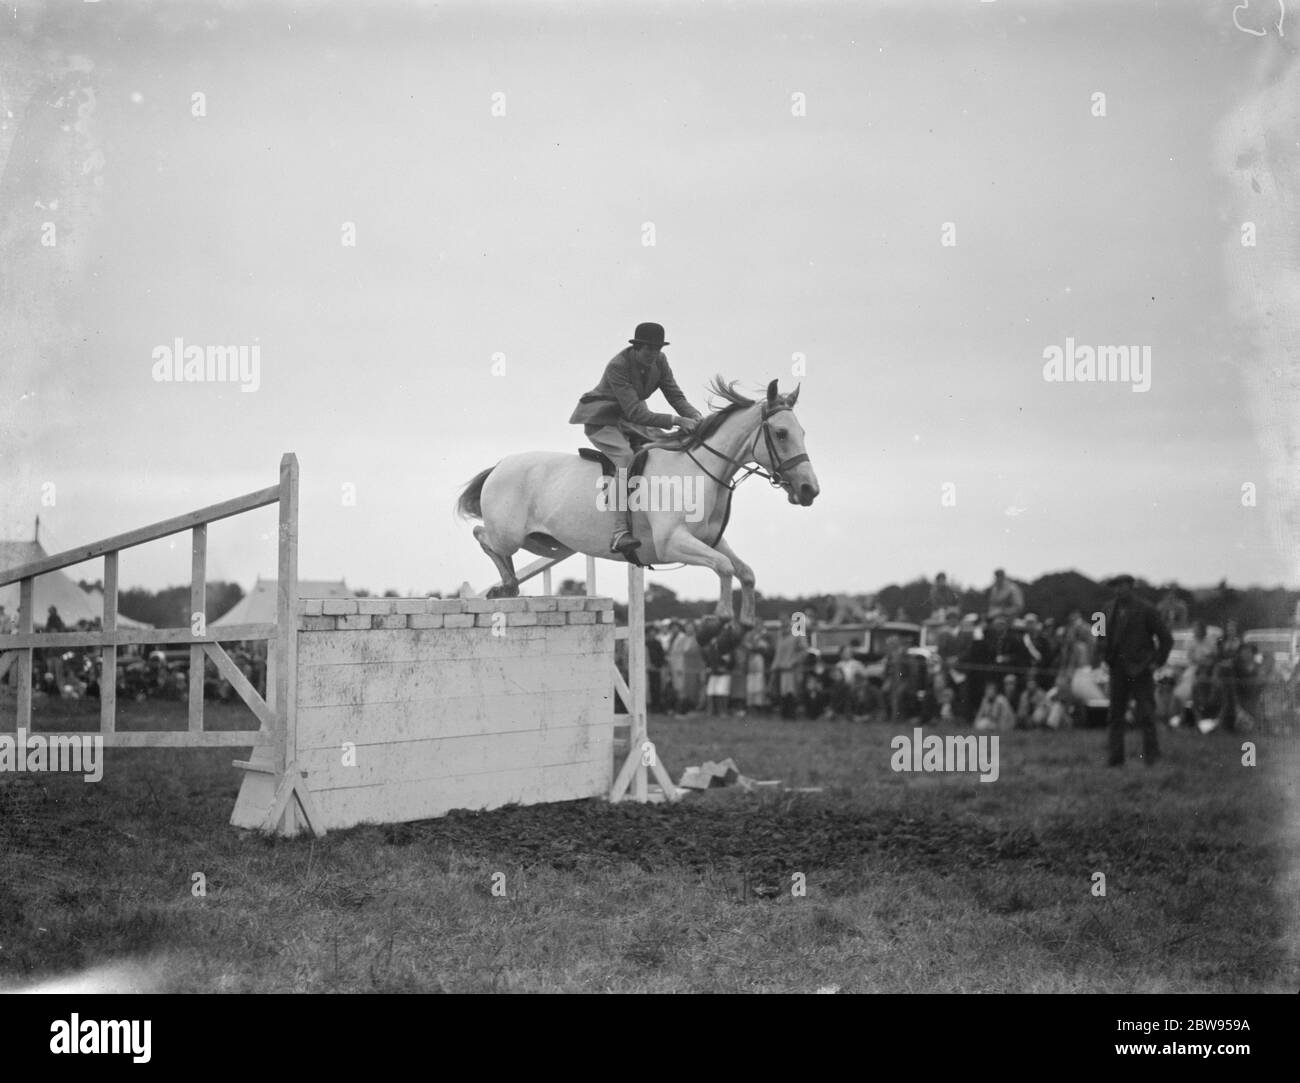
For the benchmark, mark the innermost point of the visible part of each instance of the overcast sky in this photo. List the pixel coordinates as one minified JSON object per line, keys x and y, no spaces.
{"x":776,"y":235}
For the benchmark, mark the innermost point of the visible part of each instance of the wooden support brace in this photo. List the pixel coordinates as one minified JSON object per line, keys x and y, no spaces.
{"x":286,"y":817}
{"x":227,"y":668}
{"x":633,"y":770}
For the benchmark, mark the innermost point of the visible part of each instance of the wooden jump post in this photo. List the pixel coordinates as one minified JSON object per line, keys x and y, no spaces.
{"x":642,"y":756}
{"x":274,"y":795}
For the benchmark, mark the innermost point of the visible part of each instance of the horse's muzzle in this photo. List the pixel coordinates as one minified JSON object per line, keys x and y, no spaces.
{"x":804,"y":496}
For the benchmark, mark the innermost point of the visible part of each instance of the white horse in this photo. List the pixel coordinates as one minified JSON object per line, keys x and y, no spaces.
{"x":554,"y":504}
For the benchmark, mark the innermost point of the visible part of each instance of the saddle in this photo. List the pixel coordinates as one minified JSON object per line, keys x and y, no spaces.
{"x":607,"y":466}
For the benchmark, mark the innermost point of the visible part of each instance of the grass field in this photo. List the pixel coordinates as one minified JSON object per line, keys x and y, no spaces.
{"x":914,"y":883}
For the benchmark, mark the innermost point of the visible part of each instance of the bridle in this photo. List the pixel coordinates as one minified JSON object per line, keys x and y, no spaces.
{"x":776,"y":476}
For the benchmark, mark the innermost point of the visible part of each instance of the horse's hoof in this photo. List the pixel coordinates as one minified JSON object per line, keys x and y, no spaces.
{"x":504,"y":592}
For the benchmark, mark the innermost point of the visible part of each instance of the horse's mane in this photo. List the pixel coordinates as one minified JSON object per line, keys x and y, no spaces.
{"x":735,"y":401}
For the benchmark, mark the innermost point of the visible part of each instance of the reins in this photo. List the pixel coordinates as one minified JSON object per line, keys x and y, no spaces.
{"x":775,"y":476}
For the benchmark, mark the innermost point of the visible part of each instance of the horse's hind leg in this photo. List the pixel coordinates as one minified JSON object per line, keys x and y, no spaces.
{"x":509,"y":585}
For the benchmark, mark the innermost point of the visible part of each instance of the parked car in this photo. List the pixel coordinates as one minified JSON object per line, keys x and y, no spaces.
{"x":871,"y":638}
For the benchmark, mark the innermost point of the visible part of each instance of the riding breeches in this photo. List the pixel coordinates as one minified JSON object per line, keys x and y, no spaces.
{"x":613,"y":440}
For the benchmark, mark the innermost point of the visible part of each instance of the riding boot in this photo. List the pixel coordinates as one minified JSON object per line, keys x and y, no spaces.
{"x":623,"y":540}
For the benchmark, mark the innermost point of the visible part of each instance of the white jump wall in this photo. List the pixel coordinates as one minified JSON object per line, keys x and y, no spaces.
{"x":409,"y":708}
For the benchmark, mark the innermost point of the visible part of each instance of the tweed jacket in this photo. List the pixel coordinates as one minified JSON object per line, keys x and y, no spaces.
{"x":623,"y":389}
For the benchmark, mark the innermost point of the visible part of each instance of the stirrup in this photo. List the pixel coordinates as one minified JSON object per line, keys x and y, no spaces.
{"x":623,"y":541}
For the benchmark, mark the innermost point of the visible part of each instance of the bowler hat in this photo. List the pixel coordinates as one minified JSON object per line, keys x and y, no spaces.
{"x":1122,"y":580}
{"x":649,"y":334}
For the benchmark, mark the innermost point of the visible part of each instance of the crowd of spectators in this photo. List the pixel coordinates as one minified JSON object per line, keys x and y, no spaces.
{"x":999,"y":669}
{"x":76,"y":672}
{"x":708,"y":666}
{"x":994,"y":670}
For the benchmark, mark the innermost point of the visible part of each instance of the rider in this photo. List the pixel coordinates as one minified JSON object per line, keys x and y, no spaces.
{"x":615,"y":408}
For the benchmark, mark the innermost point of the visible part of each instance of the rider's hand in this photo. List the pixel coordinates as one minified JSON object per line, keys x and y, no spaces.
{"x":686,"y":424}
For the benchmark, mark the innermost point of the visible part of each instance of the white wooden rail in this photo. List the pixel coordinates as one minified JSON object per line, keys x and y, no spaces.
{"x":202,"y":641}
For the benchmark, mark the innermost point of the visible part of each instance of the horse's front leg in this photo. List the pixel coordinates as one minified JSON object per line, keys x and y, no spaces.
{"x":746,"y":576}
{"x":683,"y":546}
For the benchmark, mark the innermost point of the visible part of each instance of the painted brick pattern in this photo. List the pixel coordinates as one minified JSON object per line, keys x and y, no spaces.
{"x":355,"y":614}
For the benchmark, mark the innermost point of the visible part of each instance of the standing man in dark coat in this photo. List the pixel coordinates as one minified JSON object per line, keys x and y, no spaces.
{"x":615,"y":408}
{"x":1134,"y":643}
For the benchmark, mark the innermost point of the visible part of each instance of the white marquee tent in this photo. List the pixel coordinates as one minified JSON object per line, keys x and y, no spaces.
{"x":54,"y":589}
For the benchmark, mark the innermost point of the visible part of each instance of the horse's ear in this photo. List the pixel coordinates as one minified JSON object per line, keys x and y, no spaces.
{"x":794,"y":395}
{"x":771,"y":393}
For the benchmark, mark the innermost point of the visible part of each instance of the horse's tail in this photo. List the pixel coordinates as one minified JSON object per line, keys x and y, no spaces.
{"x":470,"y":504}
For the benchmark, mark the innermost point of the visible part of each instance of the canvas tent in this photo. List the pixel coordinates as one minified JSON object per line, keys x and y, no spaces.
{"x":54,"y":589}
{"x":258,"y":606}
